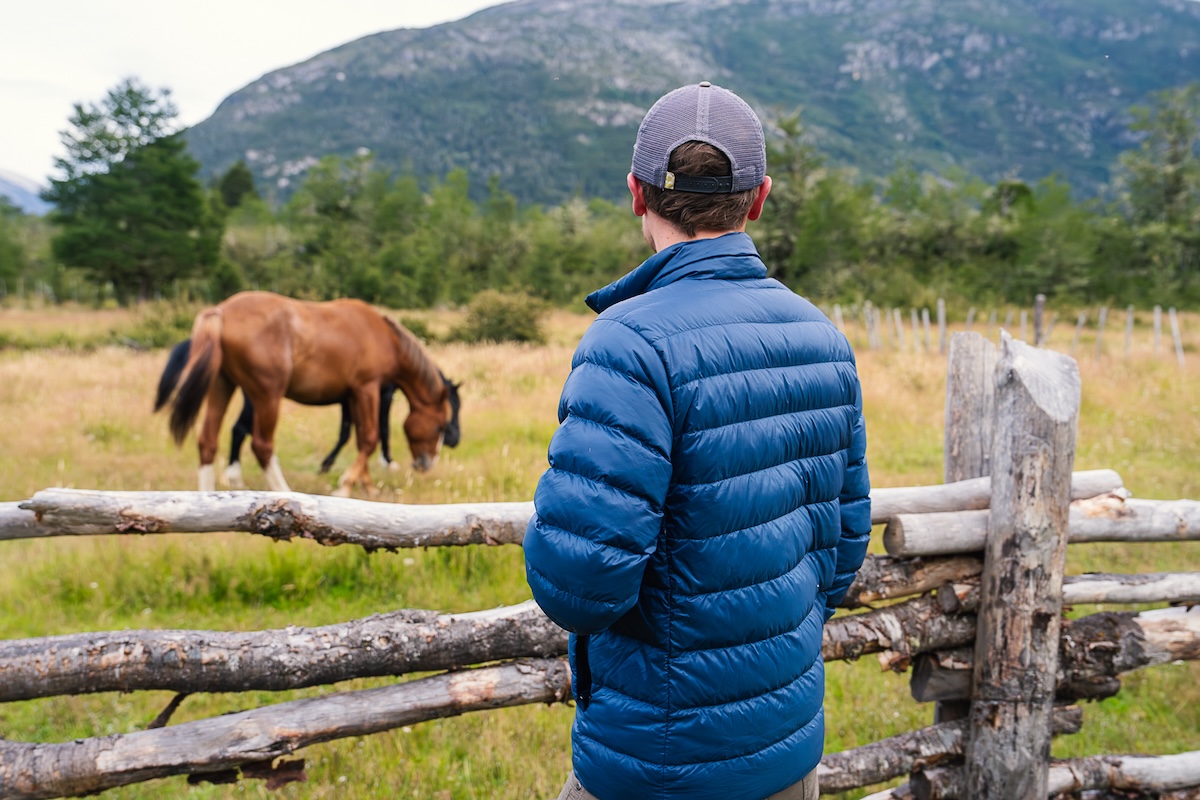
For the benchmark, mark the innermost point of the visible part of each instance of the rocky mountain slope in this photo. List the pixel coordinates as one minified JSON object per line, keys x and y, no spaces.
{"x":548,"y":93}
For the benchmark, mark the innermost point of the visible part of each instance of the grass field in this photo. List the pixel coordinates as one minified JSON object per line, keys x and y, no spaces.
{"x":80,"y":416}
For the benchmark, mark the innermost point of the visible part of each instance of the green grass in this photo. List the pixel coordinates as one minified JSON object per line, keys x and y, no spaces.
{"x":82,"y":419}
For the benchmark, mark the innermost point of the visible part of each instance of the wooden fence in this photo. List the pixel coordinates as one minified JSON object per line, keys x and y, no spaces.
{"x":887,"y":329}
{"x":970,"y":597}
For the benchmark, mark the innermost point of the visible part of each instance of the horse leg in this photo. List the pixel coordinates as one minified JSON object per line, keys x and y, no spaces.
{"x":343,"y":437}
{"x":266,"y":415}
{"x":386,"y":393}
{"x":217,"y":400}
{"x":241,"y":429}
{"x":364,"y":407}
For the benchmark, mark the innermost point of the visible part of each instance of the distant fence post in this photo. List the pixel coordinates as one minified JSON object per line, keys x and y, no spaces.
{"x":916,"y":329}
{"x":1176,"y":335}
{"x":1039,"y":313}
{"x":925,"y":323}
{"x":1100,"y":331}
{"x":1128,"y":330}
{"x":1157,"y":328}
{"x":1020,"y":609}
{"x":941,"y":326}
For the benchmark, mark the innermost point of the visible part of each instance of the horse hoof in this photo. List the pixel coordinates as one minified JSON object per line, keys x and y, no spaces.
{"x":394,"y":466}
{"x":233,"y":477}
{"x":341,"y":491}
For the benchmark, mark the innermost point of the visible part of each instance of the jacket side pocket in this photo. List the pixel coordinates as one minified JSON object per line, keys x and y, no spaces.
{"x":581,"y":673}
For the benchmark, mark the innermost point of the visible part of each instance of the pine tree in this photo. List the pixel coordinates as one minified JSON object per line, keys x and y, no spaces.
{"x":129,"y":206}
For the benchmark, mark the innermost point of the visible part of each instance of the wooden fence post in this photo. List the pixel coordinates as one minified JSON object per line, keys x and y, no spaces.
{"x":1020,"y":612}
{"x":925,"y":324}
{"x":1039,"y":313}
{"x":1157,"y":328}
{"x":970,"y":417}
{"x":1100,"y":331}
{"x":941,"y":308}
{"x":1128,"y":330}
{"x":1176,"y":335}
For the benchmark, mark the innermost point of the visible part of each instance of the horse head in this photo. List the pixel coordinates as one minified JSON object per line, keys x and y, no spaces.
{"x":430,"y":426}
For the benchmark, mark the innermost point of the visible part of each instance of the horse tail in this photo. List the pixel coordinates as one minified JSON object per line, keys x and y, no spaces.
{"x":170,"y":377}
{"x":204,"y":362}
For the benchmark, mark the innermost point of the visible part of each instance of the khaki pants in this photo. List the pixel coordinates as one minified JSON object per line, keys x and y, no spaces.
{"x":804,"y":790}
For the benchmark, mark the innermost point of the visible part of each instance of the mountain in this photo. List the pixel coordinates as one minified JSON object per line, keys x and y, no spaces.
{"x":22,"y":193}
{"x":548,"y":93}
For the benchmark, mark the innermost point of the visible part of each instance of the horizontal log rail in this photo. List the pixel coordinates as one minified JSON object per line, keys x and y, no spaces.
{"x":336,"y":520}
{"x":1094,"y":652}
{"x":214,"y":747}
{"x":898,"y":755}
{"x":381,"y":645}
{"x":1107,"y":519}
{"x":279,"y":515}
{"x":391,"y":644}
{"x":1176,"y":588}
{"x":1152,"y":775}
{"x":973,"y":494}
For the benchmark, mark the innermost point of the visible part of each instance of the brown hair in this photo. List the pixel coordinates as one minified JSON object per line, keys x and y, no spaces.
{"x":692,"y":211}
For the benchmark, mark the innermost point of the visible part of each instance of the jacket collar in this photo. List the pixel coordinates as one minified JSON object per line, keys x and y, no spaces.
{"x":731,"y":256}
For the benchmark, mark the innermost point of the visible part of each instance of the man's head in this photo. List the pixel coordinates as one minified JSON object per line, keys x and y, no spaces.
{"x":699,"y":162}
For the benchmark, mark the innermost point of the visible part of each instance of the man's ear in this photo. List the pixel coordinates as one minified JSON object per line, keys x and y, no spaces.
{"x":635,"y":189}
{"x":764,"y":189}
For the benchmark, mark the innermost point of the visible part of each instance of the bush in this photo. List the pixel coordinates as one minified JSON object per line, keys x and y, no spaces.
{"x":418,"y":328}
{"x":502,"y":317}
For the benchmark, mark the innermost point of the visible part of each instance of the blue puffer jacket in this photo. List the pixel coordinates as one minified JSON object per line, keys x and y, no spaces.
{"x":705,"y":509}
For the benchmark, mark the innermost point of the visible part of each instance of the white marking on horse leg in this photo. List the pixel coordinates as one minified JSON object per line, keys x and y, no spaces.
{"x":275,"y":479}
{"x":383,"y":462}
{"x":233,"y":476}
{"x":208,"y":478}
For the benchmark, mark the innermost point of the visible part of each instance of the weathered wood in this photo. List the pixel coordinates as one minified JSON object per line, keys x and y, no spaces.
{"x":887,"y":578}
{"x":906,"y":628}
{"x":35,"y":771}
{"x":901,"y":792}
{"x":1039,"y":312}
{"x":1153,"y":775}
{"x":279,"y":515}
{"x":1094,"y":651}
{"x":897,"y":755}
{"x":971,"y":494}
{"x":1108,"y":518}
{"x":961,"y":594}
{"x":970,"y":410}
{"x":274,"y":660}
{"x":1020,"y":610}
{"x":1176,"y":335}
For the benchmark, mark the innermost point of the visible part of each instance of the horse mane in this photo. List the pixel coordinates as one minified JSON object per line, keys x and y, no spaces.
{"x":410,"y":346}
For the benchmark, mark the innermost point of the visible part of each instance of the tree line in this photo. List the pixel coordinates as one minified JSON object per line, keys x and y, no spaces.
{"x":132,"y":221}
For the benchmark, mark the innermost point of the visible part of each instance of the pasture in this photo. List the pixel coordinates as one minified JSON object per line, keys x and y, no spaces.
{"x":78,"y":415}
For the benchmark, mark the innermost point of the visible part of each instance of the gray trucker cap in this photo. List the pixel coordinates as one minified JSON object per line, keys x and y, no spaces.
{"x":701,"y":113}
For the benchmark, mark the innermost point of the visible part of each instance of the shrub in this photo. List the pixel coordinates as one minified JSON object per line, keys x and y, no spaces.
{"x":502,"y":317}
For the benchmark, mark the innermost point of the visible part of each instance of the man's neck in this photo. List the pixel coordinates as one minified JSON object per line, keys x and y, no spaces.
{"x":661,"y":234}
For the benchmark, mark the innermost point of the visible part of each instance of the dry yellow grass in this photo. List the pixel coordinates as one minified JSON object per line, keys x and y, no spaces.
{"x":84,"y":420}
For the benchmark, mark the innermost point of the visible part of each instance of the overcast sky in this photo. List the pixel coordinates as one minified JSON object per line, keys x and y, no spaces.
{"x":54,"y":53}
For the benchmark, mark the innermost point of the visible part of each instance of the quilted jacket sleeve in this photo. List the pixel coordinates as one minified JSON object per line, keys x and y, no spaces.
{"x":856,"y":514}
{"x":598,"y":508}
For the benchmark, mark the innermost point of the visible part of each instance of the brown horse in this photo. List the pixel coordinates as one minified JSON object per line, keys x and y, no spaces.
{"x":314,"y":353}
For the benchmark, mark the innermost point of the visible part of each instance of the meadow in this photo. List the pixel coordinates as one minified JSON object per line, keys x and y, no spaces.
{"x":77,"y":413}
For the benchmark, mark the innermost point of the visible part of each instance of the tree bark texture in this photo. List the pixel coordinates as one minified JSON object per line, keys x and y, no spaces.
{"x":887,"y":578}
{"x":1154,"y":776}
{"x":32,"y":771}
{"x":1107,"y":518}
{"x":275,"y":660}
{"x":1020,"y":611}
{"x":897,"y":755}
{"x":1094,"y":651}
{"x":906,"y":628}
{"x":279,"y":515}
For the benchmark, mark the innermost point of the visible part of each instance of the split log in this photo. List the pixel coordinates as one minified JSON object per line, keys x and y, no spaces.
{"x":973,"y":494}
{"x":390,"y":644}
{"x":1152,"y":775}
{"x":1020,"y":608}
{"x":887,"y":578}
{"x":907,"y":628}
{"x":1093,"y":652}
{"x":87,"y":766}
{"x":1108,"y":518}
{"x":279,"y":515}
{"x":898,"y":755}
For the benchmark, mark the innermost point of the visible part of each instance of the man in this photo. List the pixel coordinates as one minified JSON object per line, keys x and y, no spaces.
{"x":706,"y":505}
